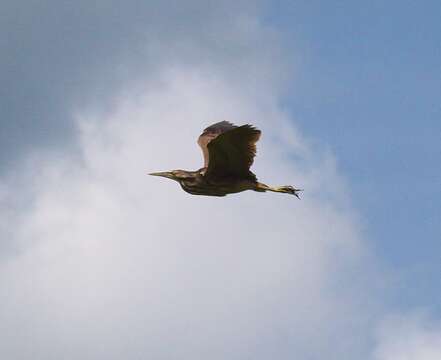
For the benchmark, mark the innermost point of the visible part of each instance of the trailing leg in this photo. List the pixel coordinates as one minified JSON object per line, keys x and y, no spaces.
{"x":287,"y":189}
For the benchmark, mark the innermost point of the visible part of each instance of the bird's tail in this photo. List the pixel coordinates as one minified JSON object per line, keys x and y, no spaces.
{"x":287,"y":189}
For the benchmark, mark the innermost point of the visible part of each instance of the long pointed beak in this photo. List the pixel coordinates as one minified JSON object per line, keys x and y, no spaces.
{"x":165,"y":174}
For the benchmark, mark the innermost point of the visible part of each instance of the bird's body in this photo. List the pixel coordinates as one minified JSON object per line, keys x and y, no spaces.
{"x":229,"y":152}
{"x":198,"y":184}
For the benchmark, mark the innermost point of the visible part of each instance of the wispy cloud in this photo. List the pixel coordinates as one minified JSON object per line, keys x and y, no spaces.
{"x":412,"y":336}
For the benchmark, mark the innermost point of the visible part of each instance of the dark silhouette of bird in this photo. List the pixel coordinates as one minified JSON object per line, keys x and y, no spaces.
{"x":229,"y":151}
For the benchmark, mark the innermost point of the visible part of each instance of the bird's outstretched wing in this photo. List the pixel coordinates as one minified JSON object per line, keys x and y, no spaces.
{"x":211,"y":133}
{"x":232,"y":153}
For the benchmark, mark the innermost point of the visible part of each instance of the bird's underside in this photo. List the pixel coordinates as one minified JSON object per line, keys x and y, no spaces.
{"x":202,"y":185}
{"x":229,"y":152}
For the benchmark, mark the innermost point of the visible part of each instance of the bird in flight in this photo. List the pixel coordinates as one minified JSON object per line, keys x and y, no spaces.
{"x":229,"y":151}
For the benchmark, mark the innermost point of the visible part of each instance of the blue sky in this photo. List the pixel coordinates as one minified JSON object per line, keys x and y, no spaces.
{"x":98,"y":261}
{"x":367,"y":86}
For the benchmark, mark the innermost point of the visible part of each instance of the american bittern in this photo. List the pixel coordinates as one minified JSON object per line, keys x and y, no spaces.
{"x":229,"y":152}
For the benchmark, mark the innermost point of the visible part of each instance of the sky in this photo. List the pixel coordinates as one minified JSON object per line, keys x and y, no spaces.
{"x":100,"y":261}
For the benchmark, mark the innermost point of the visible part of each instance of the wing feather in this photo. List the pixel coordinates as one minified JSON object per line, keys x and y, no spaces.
{"x":211,"y":133}
{"x":232,"y":153}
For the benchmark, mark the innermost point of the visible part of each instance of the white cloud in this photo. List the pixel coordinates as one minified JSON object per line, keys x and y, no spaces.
{"x":409,"y":337}
{"x":113,"y":263}
{"x":100,"y":261}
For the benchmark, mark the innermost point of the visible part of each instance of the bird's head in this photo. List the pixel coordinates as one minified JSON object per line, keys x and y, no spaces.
{"x":176,"y":175}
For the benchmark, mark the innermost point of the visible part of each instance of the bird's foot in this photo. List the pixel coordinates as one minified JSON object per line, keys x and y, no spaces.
{"x":289,"y":190}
